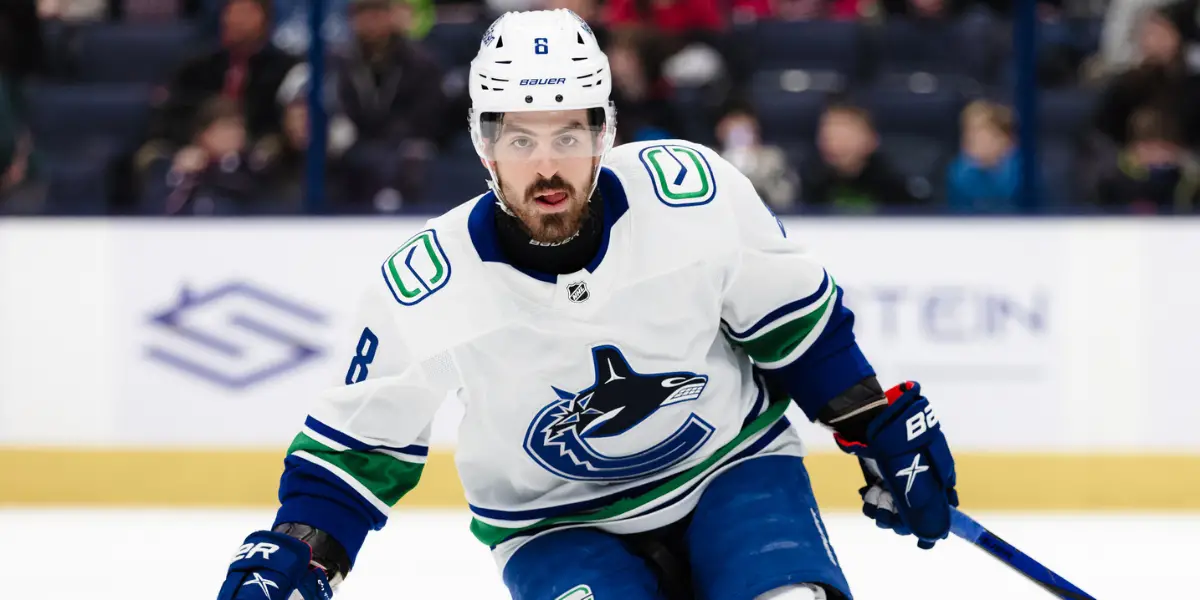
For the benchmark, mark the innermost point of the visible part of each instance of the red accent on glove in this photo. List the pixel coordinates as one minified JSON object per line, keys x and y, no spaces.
{"x":845,"y":443}
{"x":894,"y":394}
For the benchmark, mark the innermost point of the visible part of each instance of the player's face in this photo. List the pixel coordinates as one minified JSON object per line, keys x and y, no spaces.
{"x":544,"y":163}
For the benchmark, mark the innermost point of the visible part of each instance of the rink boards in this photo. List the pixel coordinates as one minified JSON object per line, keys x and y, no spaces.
{"x":169,"y":363}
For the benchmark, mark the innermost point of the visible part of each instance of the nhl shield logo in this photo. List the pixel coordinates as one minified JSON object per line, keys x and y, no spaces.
{"x":578,"y":292}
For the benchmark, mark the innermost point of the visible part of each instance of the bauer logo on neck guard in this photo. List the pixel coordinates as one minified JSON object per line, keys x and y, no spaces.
{"x":681,"y":175}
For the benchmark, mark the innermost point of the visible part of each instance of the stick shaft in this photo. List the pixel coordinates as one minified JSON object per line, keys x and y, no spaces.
{"x":970,"y":530}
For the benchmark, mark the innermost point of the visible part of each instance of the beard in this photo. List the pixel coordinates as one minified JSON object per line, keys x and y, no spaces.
{"x":553,"y":228}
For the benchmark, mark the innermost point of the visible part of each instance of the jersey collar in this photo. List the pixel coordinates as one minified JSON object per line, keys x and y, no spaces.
{"x":482,"y":225}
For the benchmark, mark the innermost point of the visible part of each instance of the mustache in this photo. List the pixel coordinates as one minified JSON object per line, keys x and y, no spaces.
{"x":546,"y":185}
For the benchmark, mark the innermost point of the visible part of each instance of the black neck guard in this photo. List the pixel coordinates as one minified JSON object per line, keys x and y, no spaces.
{"x":565,"y":257}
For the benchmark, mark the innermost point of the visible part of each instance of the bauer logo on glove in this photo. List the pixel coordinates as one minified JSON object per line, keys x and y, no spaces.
{"x":274,"y":566}
{"x":908,"y":467}
{"x":920,"y":423}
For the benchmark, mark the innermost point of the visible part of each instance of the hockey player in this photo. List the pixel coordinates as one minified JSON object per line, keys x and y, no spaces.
{"x":625,"y":328}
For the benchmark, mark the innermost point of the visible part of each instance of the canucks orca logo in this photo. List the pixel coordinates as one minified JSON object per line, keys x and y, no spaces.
{"x":560,"y":437}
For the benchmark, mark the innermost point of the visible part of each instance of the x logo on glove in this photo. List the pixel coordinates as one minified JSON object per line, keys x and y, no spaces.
{"x":916,"y":468}
{"x":262,"y":583}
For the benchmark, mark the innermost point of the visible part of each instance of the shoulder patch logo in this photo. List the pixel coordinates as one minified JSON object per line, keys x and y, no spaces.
{"x":681,"y":175}
{"x":579,"y":592}
{"x":417,"y":269}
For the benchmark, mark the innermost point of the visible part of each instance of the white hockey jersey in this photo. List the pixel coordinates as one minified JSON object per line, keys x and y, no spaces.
{"x":606,"y":397}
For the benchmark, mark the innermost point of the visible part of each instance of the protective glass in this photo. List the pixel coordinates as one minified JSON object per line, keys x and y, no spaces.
{"x":540,"y":135}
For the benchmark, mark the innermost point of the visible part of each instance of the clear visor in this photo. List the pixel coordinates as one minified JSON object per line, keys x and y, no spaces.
{"x":541,"y":135}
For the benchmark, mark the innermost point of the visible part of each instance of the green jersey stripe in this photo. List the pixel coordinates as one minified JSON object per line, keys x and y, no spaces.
{"x":790,"y":311}
{"x":366,"y":494}
{"x":384,"y":477}
{"x":774,"y":347}
{"x":493,"y":534}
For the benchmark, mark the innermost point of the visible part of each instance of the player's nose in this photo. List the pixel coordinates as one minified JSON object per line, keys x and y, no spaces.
{"x":546,"y":167}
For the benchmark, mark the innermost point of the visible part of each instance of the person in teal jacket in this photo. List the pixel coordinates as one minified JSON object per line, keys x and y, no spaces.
{"x":986,"y":176}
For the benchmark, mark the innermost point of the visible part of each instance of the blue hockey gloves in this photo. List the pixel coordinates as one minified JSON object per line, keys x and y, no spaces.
{"x":908,"y":468}
{"x":274,"y":566}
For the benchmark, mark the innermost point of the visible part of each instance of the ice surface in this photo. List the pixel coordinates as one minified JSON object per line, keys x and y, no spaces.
{"x":182,"y":554}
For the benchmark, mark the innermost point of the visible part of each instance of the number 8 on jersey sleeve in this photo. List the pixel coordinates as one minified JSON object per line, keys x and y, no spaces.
{"x":367,"y":343}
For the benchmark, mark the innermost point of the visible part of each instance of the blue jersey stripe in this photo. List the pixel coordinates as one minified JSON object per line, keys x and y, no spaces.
{"x":414,"y":449}
{"x":831,"y":365}
{"x":759,"y":402}
{"x":335,"y":435}
{"x":354,"y":444}
{"x":790,"y":307}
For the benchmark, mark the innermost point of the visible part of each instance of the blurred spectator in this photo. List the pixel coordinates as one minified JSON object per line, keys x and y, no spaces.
{"x":986,"y":177}
{"x":73,"y":11}
{"x":587,"y":10}
{"x":291,"y":30}
{"x":146,"y":10}
{"x":1154,"y":174}
{"x":246,"y":70}
{"x":766,"y":166}
{"x":669,"y":17}
{"x":21,"y":41}
{"x":640,"y":94}
{"x":20,"y":191}
{"x":1120,"y":48}
{"x":1161,"y":80}
{"x":1185,"y":14}
{"x":805,"y":10}
{"x":212,"y":175}
{"x":500,"y":7}
{"x":849,"y":174}
{"x":20,"y":57}
{"x":923,"y":9}
{"x":286,"y":175}
{"x":390,"y":87}
{"x":684,"y":40}
{"x":414,"y":18}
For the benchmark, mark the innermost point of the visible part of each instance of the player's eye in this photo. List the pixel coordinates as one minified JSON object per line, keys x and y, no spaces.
{"x":567,"y":141}
{"x":521,"y":142}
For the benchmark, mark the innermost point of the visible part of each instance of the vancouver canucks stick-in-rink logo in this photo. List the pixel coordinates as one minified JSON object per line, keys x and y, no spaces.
{"x":560,"y":437}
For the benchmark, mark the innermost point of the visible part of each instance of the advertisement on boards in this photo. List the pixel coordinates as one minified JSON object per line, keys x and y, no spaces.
{"x":972,"y":310}
{"x":1028,"y":335}
{"x":236,"y":328}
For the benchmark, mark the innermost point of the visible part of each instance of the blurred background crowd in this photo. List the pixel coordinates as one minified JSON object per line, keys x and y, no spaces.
{"x":199,"y":107}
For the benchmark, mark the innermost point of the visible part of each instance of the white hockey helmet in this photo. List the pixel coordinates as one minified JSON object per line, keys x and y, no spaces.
{"x":543,"y":60}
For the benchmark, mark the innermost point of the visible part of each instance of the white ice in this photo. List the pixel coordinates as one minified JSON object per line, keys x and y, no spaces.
{"x":181,"y":555}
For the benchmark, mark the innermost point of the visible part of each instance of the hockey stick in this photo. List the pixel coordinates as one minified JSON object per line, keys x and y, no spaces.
{"x":970,"y":530}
